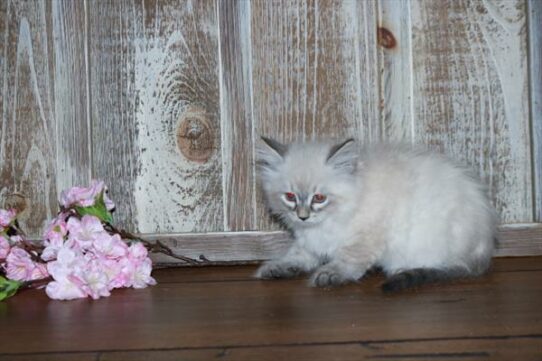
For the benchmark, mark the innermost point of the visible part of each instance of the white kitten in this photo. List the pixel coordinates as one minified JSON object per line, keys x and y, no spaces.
{"x":417,"y":215}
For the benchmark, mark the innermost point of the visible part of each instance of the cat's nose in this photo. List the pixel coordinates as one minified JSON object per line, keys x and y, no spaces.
{"x":303,"y":212}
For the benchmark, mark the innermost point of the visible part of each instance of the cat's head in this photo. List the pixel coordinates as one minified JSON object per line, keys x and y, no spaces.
{"x":304,"y":183}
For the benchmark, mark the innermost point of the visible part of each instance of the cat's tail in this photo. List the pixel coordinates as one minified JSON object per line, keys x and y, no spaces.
{"x":417,"y":277}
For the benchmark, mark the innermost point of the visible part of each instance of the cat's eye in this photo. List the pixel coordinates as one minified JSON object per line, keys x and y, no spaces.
{"x":318,"y":198}
{"x":290,"y":196}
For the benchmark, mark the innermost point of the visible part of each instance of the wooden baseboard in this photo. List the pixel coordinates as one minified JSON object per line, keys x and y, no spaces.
{"x":520,"y":240}
{"x":243,"y":247}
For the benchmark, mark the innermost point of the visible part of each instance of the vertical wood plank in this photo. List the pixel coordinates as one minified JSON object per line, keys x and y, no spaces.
{"x":112,"y":105}
{"x":43,"y":129}
{"x":315,"y":72}
{"x":155,"y":112}
{"x":236,"y":115}
{"x":314,"y":69}
{"x":4,"y":25}
{"x":395,"y":52}
{"x":27,"y":141}
{"x":471,"y":93}
{"x":535,"y":60}
{"x":72,"y":128}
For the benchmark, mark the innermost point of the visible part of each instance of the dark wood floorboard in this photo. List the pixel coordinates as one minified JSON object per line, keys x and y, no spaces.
{"x":222,"y":313}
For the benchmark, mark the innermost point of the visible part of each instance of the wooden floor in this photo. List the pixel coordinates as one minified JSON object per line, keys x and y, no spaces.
{"x":221,"y":313}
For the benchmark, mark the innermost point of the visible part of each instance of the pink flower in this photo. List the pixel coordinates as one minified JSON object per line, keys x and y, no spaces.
{"x":4,"y":247}
{"x":112,"y":270}
{"x":110,"y":246}
{"x":39,"y":271}
{"x":57,"y":229}
{"x":20,"y":267}
{"x":86,"y":231}
{"x":94,"y":281}
{"x":66,"y":285}
{"x":138,"y":251}
{"x":142,"y":275}
{"x":54,"y":237}
{"x":136,"y":273}
{"x":86,"y":197}
{"x":64,"y":290}
{"x":6,"y":217}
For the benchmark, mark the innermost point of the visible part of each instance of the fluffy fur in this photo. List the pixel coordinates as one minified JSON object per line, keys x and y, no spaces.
{"x":417,"y":215}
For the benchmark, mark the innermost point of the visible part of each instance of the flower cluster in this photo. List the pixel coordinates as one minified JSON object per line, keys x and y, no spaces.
{"x":82,"y":254}
{"x":85,"y":260}
{"x":17,"y":262}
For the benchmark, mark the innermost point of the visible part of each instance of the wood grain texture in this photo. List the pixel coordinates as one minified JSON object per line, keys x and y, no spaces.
{"x":520,"y":240}
{"x":470,"y":93}
{"x":514,"y":240}
{"x":155,"y":112}
{"x":71,"y":93}
{"x":314,"y":71}
{"x":44,"y":141}
{"x":535,"y":77}
{"x":395,"y":70}
{"x":227,"y":246}
{"x":27,"y":129}
{"x":525,"y":348}
{"x":238,"y":167}
{"x":224,"y":312}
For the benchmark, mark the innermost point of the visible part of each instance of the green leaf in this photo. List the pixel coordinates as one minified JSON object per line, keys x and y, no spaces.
{"x":98,"y":210}
{"x":8,"y":288}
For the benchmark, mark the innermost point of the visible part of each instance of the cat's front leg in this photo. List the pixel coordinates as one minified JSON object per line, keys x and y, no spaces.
{"x":347,"y":266}
{"x":297,"y":261}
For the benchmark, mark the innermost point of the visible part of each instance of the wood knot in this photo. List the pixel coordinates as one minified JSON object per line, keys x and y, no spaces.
{"x":386,"y":38}
{"x":194,"y":136}
{"x":17,"y":201}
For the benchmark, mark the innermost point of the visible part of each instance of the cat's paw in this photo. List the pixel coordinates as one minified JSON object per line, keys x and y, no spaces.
{"x":276,"y":270}
{"x":327,"y":277}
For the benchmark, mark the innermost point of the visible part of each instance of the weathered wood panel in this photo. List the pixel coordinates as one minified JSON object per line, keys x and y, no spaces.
{"x":27,"y":143}
{"x":236,"y":115}
{"x":470,"y":93}
{"x":43,"y":129}
{"x":314,"y":71}
{"x":155,"y":112}
{"x":71,"y":93}
{"x":395,"y":60}
{"x":535,"y":51}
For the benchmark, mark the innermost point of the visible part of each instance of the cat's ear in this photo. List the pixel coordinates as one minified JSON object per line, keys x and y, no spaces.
{"x":344,"y":156}
{"x":270,"y":152}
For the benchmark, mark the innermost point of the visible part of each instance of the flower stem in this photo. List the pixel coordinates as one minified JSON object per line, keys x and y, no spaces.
{"x":156,"y":247}
{"x":36,"y":283}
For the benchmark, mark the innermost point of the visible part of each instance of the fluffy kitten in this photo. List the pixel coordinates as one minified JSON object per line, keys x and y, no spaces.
{"x":416,"y":215}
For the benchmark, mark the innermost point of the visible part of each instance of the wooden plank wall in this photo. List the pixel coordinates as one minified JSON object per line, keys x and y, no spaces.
{"x":44,"y":128}
{"x":165,"y":99}
{"x":155,"y":105}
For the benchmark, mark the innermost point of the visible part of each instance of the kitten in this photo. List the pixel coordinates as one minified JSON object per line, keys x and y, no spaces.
{"x":416,"y":215}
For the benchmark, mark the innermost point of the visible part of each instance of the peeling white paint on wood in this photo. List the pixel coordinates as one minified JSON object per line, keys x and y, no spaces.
{"x":168,"y":186}
{"x":396,"y":115}
{"x":237,"y":117}
{"x":470,"y":93}
{"x":169,"y":63}
{"x":72,"y":120}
